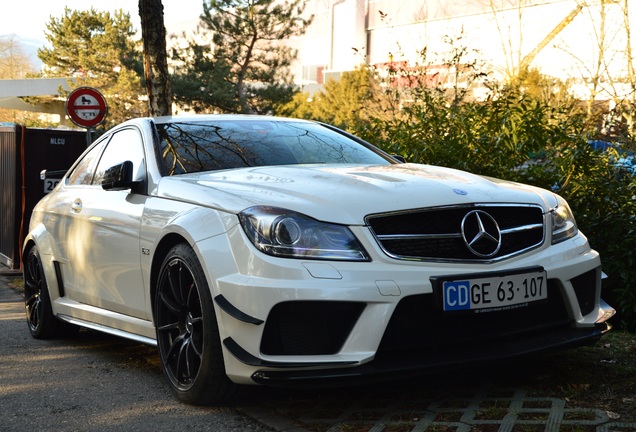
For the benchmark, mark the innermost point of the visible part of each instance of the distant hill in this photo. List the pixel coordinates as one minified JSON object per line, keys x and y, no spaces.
{"x":30,"y":47}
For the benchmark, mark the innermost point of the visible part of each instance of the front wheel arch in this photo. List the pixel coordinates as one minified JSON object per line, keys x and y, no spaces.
{"x":187,"y":331}
{"x":162,"y":249}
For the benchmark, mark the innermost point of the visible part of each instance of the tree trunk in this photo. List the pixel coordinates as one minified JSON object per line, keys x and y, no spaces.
{"x":153,"y":33}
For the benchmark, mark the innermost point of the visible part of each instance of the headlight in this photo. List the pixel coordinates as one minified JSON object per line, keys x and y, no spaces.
{"x":563,"y":223}
{"x":285,"y":233}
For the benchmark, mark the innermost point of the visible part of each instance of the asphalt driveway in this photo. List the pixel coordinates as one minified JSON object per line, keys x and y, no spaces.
{"x":99,"y":382}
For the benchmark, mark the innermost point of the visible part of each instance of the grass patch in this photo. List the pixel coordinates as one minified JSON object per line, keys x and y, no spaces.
{"x":17,"y":283}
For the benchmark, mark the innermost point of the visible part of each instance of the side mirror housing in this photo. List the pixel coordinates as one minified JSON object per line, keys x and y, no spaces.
{"x":119,"y":177}
{"x":399,"y":158}
{"x":55,"y":174}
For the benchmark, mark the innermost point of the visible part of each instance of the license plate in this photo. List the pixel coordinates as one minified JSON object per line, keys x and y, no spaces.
{"x":493,"y":292}
{"x":49,"y":184}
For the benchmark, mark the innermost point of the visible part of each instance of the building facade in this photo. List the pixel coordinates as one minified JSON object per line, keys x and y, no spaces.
{"x":583,"y":41}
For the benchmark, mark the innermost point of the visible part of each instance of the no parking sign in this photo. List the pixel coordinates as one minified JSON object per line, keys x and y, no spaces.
{"x":86,"y":107}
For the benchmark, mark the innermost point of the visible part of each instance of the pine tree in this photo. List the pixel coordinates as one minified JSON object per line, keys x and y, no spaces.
{"x":96,"y":49}
{"x":246,"y":68}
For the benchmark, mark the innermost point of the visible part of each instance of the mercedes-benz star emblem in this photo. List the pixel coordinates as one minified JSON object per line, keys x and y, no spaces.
{"x":481,"y":233}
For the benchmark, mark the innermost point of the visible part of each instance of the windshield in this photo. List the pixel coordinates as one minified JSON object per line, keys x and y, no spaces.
{"x":188,"y":147}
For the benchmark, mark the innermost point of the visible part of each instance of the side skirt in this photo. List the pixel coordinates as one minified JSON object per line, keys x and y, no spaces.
{"x":113,"y":331}
{"x":106,"y":321}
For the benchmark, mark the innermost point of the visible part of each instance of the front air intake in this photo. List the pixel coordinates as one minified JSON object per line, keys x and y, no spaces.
{"x":309,"y":327}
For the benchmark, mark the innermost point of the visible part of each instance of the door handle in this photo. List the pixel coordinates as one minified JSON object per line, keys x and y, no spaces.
{"x":76,"y":207}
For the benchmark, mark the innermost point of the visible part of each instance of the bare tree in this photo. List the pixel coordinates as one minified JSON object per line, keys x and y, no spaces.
{"x":14,"y":63}
{"x":510,"y":49}
{"x":607,"y":68}
{"x":629,"y":58}
{"x":153,"y":33}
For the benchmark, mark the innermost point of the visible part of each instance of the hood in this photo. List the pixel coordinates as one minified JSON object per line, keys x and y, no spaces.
{"x":345,"y":193}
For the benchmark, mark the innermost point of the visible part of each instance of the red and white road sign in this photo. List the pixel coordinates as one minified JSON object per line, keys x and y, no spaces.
{"x":86,"y":107}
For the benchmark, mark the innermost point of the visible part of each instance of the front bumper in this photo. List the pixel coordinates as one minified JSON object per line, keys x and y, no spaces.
{"x":395,"y":332}
{"x":382,"y":369}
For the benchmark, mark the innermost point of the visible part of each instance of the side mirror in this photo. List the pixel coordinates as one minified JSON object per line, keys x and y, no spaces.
{"x":119,"y":177}
{"x":52,"y":174}
{"x":399,"y":158}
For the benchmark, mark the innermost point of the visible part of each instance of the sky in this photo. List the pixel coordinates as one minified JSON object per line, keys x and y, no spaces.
{"x":27,"y":19}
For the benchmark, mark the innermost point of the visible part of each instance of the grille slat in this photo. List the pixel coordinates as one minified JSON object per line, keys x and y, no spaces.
{"x":436,"y":233}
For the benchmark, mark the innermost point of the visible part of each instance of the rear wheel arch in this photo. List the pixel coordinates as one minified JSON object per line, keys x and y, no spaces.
{"x":43,"y":248}
{"x":28,"y":245}
{"x":42,"y":322}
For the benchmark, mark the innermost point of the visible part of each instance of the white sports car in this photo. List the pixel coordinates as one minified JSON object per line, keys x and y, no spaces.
{"x":261,"y":250}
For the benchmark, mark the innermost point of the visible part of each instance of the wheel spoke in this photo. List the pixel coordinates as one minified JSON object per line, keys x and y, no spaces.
{"x":172,"y":306}
{"x":33,"y":299}
{"x":182,"y":370}
{"x":188,"y":365}
{"x":195,"y":348}
{"x":34,"y":271}
{"x":194,"y":358}
{"x":193,"y":295}
{"x":33,"y":310}
{"x":173,"y":283}
{"x":175,"y":348}
{"x":168,"y":327}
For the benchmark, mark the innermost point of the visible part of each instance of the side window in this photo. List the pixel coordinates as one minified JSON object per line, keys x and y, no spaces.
{"x":125,"y":145}
{"x":83,"y":173}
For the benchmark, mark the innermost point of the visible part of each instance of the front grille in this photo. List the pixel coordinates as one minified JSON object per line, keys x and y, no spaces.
{"x":420,"y":327}
{"x":309,"y":327}
{"x":436,"y":234}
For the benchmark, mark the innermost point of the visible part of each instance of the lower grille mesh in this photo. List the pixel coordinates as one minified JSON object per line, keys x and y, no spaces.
{"x":309,"y":327}
{"x":585,"y":289}
{"x":419,"y":326}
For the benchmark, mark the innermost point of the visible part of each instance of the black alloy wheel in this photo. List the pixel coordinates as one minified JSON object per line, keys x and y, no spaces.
{"x":187,"y":332}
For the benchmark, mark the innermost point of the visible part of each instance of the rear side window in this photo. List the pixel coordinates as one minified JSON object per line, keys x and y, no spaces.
{"x":225,"y":144}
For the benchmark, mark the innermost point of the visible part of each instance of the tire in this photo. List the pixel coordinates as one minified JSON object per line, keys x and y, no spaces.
{"x":39,"y":314}
{"x":187,"y":332}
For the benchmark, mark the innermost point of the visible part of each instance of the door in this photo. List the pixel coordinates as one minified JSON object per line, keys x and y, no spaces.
{"x":102,"y":233}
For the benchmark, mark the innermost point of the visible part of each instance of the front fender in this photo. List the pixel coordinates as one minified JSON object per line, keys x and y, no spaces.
{"x":166,"y":223}
{"x":200,"y":223}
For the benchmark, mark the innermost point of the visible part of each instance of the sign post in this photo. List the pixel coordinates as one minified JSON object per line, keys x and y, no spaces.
{"x":86,"y":107}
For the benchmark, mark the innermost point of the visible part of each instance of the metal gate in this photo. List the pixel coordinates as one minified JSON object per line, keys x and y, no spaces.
{"x":10,"y":191}
{"x":24,"y":152}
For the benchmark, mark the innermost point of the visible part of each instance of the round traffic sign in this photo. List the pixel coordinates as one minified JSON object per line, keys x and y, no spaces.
{"x":86,"y":107}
